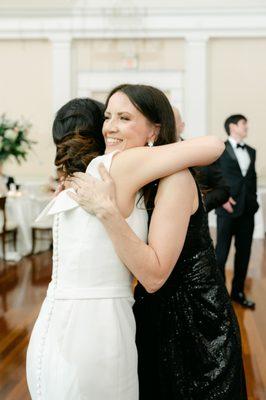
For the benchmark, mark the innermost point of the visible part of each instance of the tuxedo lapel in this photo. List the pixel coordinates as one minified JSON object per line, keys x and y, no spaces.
{"x":251,"y":153}
{"x":251,"y":156}
{"x":230,"y":151}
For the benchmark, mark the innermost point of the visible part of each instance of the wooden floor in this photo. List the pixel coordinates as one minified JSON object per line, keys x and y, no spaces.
{"x":23,"y":287}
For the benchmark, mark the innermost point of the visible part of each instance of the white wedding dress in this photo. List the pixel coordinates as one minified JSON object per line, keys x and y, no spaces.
{"x":83,"y":343}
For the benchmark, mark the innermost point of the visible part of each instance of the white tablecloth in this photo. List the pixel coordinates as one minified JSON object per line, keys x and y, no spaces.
{"x":23,"y":210}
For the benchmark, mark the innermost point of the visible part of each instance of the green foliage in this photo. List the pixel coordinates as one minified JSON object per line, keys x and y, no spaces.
{"x":14,"y":141}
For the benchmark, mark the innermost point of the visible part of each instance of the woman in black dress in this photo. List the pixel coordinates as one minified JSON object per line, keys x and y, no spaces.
{"x":188,"y":338}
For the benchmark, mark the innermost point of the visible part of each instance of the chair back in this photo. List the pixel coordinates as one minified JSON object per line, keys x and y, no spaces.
{"x":3,"y":214}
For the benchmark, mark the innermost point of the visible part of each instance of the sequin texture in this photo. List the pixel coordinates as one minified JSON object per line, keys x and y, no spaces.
{"x":188,"y":337}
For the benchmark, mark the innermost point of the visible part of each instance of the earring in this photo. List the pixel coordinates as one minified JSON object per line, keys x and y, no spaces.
{"x":150,"y":143}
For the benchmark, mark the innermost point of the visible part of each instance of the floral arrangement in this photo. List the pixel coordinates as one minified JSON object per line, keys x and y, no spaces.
{"x":14,"y":141}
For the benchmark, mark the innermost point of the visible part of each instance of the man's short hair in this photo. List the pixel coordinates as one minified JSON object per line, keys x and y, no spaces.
{"x":233,"y":119}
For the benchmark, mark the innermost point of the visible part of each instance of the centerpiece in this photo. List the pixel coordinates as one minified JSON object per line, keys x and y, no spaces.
{"x":14,"y":141}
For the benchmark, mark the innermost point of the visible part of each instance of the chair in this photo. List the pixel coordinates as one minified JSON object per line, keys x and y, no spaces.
{"x":8,"y":229}
{"x":41,"y":232}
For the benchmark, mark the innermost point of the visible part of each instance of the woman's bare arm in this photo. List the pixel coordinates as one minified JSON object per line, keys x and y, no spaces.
{"x":143,"y":165}
{"x":133,"y":168}
{"x":151,"y":263}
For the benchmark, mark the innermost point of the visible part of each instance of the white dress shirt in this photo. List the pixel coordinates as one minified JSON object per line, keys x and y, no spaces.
{"x":241,"y":155}
{"x":3,"y":182}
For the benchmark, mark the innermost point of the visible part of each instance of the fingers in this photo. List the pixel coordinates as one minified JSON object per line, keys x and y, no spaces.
{"x":59,"y":189}
{"x":104,"y":173}
{"x":73,"y":196}
{"x":80,"y":175}
{"x":81,"y":179}
{"x":67,"y":184}
{"x":228,"y":205}
{"x":75,"y":182}
{"x":232,"y":201}
{"x":73,"y":185}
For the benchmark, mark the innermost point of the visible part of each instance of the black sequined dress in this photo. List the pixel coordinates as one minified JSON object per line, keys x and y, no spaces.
{"x":188,"y":337}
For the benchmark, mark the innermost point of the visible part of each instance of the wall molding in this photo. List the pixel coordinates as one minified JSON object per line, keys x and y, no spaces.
{"x":135,"y":22}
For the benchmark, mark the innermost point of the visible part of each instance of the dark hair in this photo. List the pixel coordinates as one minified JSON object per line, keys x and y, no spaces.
{"x":155,"y":106}
{"x":77,"y":133}
{"x":233,"y":119}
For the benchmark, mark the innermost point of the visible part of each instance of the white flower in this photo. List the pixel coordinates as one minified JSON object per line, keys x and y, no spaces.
{"x":11,"y":134}
{"x":22,"y":147}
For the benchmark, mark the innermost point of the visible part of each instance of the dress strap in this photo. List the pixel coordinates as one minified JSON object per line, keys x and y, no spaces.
{"x":106,"y":159}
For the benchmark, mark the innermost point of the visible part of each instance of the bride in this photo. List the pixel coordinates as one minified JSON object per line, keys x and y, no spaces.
{"x":83,"y":342}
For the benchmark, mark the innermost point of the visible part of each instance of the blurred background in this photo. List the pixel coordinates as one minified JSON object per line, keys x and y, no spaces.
{"x":208,"y":56}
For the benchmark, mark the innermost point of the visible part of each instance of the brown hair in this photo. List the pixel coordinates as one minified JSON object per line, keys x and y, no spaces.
{"x":75,"y":152}
{"x":155,"y":106}
{"x":77,"y":133}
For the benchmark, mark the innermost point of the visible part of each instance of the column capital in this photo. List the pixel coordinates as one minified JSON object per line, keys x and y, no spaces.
{"x":197,"y":38}
{"x":62,"y":40}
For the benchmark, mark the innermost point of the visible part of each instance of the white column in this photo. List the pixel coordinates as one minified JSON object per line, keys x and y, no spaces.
{"x":61,"y":71}
{"x":196,"y":85}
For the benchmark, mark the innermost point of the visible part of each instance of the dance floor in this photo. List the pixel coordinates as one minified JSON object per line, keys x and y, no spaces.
{"x":22,"y":289}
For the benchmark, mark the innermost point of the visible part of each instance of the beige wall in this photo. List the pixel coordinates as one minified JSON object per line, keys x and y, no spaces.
{"x":26,"y":90}
{"x":237,"y":84}
{"x":156,"y":55}
{"x":106,"y":55}
{"x":236,"y":71}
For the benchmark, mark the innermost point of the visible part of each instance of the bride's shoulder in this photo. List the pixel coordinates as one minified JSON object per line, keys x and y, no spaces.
{"x":95,"y":161}
{"x":105,"y":159}
{"x":61,"y":202}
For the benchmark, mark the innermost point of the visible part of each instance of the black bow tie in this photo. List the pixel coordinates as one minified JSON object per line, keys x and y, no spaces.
{"x":241,"y":146}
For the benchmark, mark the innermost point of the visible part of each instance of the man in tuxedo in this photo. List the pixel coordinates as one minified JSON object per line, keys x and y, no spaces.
{"x":236,"y":216}
{"x":5,"y":180}
{"x":210,"y":178}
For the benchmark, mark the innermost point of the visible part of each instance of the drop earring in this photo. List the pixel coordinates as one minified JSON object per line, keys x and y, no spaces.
{"x":150,"y":143}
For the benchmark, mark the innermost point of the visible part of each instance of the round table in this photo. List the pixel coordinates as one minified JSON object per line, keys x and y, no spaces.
{"x":23,"y":209}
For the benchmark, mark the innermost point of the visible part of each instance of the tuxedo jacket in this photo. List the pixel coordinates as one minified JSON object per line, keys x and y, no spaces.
{"x":243,"y":189}
{"x":213,"y":185}
{"x":9,"y":181}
